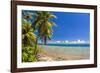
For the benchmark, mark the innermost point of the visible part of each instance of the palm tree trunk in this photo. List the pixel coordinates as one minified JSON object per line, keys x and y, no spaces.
{"x":45,"y":40}
{"x":35,"y":51}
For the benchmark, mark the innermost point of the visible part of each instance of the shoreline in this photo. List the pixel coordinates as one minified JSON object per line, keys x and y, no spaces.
{"x":63,"y":53}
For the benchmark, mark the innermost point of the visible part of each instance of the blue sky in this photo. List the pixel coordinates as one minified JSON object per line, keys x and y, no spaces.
{"x":71,"y":26}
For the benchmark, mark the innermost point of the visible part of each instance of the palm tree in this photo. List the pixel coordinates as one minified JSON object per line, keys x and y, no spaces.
{"x":28,"y":37}
{"x":44,"y":25}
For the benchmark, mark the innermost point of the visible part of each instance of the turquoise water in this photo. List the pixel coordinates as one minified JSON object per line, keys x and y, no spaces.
{"x":69,"y":45}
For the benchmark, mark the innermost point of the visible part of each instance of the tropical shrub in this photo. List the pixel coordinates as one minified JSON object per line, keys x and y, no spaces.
{"x":28,"y":54}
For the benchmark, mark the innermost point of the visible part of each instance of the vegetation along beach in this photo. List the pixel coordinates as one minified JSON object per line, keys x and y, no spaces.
{"x":54,"y":36}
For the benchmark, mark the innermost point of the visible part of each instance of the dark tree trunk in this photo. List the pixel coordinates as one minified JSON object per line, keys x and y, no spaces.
{"x":45,"y":40}
{"x":35,"y":51}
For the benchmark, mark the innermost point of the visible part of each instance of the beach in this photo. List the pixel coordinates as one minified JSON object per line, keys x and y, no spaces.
{"x":59,"y":53}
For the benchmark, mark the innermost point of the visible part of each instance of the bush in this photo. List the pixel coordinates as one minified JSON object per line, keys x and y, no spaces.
{"x":28,"y":54}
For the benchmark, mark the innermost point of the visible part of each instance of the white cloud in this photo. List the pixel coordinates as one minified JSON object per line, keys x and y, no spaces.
{"x":66,"y":41}
{"x":78,"y":41}
{"x":58,"y":41}
{"x":70,"y":42}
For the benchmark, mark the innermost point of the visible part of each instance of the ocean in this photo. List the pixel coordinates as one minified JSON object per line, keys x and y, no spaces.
{"x":69,"y":45}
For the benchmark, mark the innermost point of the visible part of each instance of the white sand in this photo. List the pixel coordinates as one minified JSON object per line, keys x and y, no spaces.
{"x":66,"y":53}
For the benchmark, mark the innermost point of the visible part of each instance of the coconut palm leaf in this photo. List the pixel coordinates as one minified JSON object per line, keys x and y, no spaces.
{"x":28,"y":37}
{"x":44,"y":25}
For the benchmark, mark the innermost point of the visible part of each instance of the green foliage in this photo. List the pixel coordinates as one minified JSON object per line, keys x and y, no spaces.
{"x":28,"y":36}
{"x":28,"y":40}
{"x":28,"y":54}
{"x":43,"y":25}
